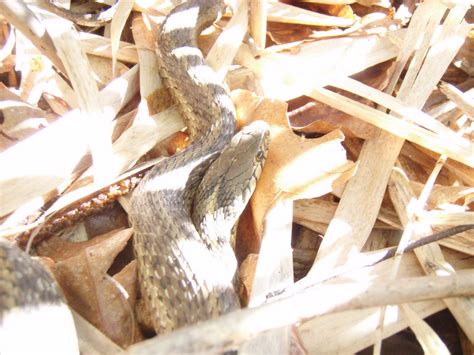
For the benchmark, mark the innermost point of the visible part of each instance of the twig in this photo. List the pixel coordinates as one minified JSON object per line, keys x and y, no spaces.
{"x":230,"y":330}
{"x":369,"y":260}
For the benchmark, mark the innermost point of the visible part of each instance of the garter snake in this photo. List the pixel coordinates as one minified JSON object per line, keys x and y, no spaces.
{"x":183,"y":211}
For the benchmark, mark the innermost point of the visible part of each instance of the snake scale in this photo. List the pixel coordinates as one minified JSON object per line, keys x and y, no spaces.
{"x":184,"y":209}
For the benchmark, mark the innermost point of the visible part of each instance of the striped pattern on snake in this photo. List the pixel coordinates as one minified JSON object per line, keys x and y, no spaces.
{"x":32,"y":307}
{"x":184,"y":208}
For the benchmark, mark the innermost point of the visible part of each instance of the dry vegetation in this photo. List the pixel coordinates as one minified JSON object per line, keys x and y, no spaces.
{"x":371,"y":109}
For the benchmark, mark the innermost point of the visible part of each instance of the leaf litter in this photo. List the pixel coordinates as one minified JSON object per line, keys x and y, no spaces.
{"x":370,"y":109}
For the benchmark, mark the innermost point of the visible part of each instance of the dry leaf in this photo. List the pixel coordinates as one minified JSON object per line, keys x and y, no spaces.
{"x":81,"y":270}
{"x":309,"y":116}
{"x":19,"y":119}
{"x":246,"y":276}
{"x":118,"y":22}
{"x":280,"y":12}
{"x":322,"y":160}
{"x":443,"y":195}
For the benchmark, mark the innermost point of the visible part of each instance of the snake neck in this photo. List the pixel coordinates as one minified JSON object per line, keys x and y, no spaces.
{"x":202,"y":99}
{"x":186,"y":21}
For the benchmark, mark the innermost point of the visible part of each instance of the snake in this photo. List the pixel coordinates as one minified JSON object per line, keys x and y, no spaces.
{"x":184,"y":209}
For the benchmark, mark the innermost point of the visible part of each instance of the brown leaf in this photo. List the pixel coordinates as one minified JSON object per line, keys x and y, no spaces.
{"x":315,"y":117}
{"x":295,"y":167}
{"x":19,"y":119}
{"x":310,"y":116}
{"x":246,"y":276}
{"x":81,"y":270}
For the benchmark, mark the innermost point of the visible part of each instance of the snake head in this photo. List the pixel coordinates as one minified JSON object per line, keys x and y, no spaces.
{"x":230,"y":181}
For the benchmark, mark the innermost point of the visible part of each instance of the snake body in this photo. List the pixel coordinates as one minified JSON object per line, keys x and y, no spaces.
{"x":184,"y":208}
